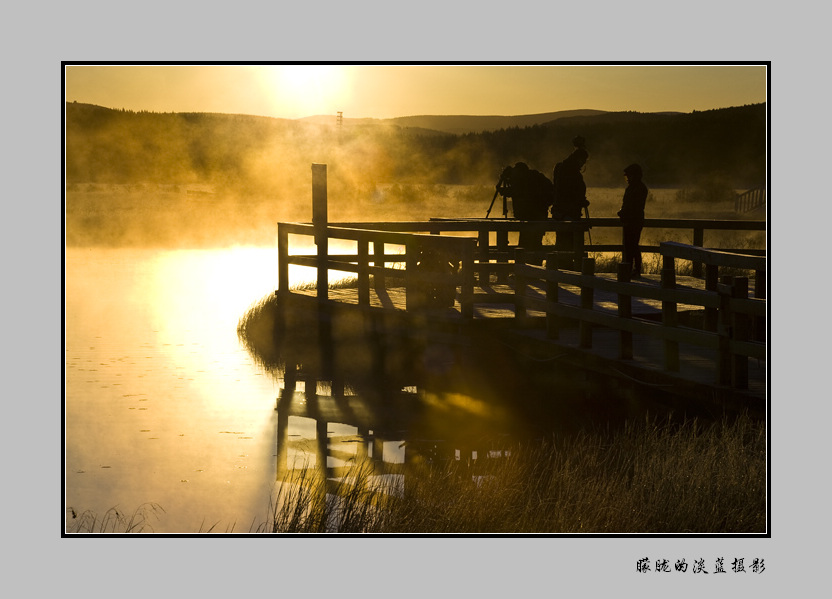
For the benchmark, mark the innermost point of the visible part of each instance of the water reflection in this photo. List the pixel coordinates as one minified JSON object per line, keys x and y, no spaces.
{"x":164,"y":404}
{"x":407,"y":394}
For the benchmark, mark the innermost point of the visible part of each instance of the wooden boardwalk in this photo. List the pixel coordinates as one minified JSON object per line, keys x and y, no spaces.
{"x":698,"y":330}
{"x":494,"y":308}
{"x":495,"y":300}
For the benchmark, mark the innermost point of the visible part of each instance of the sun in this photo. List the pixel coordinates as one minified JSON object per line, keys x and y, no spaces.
{"x":307,"y":90}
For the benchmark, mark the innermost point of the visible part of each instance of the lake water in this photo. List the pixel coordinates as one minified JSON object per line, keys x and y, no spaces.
{"x":163,"y":402}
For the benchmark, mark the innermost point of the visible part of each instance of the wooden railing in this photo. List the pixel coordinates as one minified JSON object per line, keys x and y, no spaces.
{"x":736,"y":332}
{"x":367,"y":265}
{"x":750,"y":200}
{"x":733,"y":324}
{"x":495,"y":254}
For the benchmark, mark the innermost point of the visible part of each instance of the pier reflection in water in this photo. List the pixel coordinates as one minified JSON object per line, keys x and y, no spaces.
{"x":369,"y":388}
{"x":164,"y":405}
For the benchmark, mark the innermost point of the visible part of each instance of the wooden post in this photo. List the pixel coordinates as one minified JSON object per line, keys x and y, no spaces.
{"x":759,"y":332}
{"x":282,"y":260}
{"x":552,"y":288}
{"x":411,"y":250}
{"x":502,"y":248}
{"x":578,"y":241}
{"x":378,"y":452}
{"x":519,"y":287}
{"x":711,"y":282}
{"x":466,"y":290}
{"x":319,"y":221}
{"x":760,"y":284}
{"x":363,"y":272}
{"x":625,"y":310}
{"x":322,"y":442}
{"x":741,"y":332}
{"x":587,"y":301}
{"x":378,"y":261}
{"x":284,"y":402}
{"x":698,"y":240}
{"x":482,"y":252}
{"x":723,"y":368}
{"x":669,"y":316}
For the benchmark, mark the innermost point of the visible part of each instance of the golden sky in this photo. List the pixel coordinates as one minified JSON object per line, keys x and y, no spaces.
{"x":385,"y":91}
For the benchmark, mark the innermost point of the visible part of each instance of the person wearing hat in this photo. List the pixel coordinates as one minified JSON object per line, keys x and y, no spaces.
{"x":531,"y":193}
{"x":632,"y":216}
{"x":569,"y":198}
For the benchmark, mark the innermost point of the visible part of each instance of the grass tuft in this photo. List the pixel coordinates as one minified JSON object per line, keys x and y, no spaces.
{"x":647,"y":477}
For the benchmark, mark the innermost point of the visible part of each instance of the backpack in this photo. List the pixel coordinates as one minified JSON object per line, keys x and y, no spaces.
{"x":569,"y":192}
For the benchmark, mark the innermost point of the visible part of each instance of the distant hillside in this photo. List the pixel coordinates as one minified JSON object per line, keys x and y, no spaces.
{"x":459,"y":124}
{"x":250,"y":154}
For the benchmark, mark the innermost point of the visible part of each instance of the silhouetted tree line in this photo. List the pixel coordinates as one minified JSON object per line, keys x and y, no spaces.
{"x":259,"y":153}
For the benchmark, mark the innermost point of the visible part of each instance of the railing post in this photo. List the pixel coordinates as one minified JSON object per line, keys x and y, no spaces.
{"x":552,"y":288}
{"x":411,"y":250}
{"x":578,"y":244}
{"x":282,"y":291}
{"x":482,"y":251}
{"x":711,"y":283}
{"x":669,"y":316}
{"x":587,"y":301}
{"x":699,"y":241}
{"x":319,"y":220}
{"x":466,"y":291}
{"x":502,"y":249}
{"x":282,"y":260}
{"x":363,"y":272}
{"x":723,"y":367}
{"x":379,"y":264}
{"x":625,"y":310}
{"x":741,"y":332}
{"x":519,"y":287}
{"x":760,"y":293}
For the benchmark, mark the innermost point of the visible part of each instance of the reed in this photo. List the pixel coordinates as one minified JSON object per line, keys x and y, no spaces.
{"x":646,"y":477}
{"x":114,"y":521}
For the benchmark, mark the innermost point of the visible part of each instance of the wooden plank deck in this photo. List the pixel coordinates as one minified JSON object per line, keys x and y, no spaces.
{"x":488,"y":305}
{"x":697,"y":366}
{"x":696,"y":377}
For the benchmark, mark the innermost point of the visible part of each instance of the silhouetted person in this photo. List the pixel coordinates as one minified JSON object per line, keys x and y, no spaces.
{"x":632,"y":216}
{"x":531,"y":193}
{"x":569,"y":191}
{"x":438,"y":294}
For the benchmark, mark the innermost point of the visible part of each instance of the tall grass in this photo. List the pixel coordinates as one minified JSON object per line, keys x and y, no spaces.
{"x":114,"y":520}
{"x":646,"y":477}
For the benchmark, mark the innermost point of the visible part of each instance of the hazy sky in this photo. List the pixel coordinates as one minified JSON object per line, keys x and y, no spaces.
{"x":385,"y":91}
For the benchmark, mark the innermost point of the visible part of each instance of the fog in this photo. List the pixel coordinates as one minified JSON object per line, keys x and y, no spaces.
{"x":207,"y":180}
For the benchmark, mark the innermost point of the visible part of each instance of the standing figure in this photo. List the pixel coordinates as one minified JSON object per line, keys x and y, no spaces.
{"x":569,"y":191}
{"x":531,"y":194}
{"x":632,"y":216}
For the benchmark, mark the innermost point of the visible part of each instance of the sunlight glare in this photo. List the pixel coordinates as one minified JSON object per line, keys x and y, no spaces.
{"x":308,"y":90}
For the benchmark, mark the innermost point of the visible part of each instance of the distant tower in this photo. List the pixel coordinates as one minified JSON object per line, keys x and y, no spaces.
{"x":338,"y":122}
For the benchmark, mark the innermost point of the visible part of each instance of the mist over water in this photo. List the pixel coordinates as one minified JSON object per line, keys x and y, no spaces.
{"x":171,"y":225}
{"x":162,"y":404}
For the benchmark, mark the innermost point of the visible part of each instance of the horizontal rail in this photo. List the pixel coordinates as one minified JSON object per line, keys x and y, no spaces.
{"x":640,"y":290}
{"x":433,"y":266}
{"x":711,"y":256}
{"x":512,"y":224}
{"x":733,"y":320}
{"x":735,"y":334}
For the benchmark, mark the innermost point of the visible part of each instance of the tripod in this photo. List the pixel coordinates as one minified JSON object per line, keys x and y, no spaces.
{"x":504,"y":188}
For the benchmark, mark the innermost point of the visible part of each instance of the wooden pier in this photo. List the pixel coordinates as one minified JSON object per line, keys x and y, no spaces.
{"x":698,"y":328}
